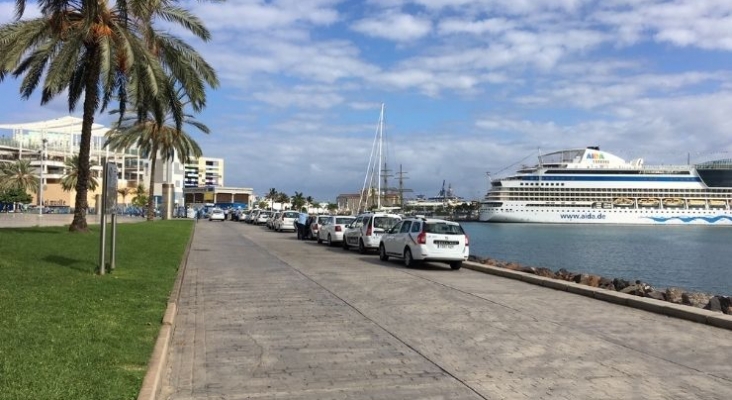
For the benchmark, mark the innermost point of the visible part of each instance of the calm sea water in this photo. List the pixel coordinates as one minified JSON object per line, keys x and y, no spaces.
{"x":694,"y":258}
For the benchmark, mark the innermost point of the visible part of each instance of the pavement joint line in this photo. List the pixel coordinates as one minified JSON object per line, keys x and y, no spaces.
{"x":156,"y":365}
{"x":681,"y":311}
{"x":388,"y":332}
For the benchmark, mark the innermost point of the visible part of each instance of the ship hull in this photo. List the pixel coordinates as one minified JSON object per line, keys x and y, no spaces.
{"x":577,"y":215}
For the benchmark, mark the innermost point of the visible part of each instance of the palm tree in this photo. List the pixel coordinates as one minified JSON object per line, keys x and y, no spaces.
{"x":156,"y":140}
{"x":298,"y":201}
{"x":283,"y":198}
{"x":140,"y":199}
{"x":124,"y":192}
{"x":19,"y":175}
{"x":102,"y":52}
{"x":271,"y":196}
{"x":71,"y":175}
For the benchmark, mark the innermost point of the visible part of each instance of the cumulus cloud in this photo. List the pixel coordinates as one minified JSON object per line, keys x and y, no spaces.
{"x":475,"y":85}
{"x":394,"y":26}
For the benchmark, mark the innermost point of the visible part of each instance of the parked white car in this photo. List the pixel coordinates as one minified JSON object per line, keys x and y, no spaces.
{"x":262,"y":217}
{"x":366,"y":230}
{"x":316,"y":224}
{"x":421,"y":239}
{"x":332,"y":228}
{"x":252,"y":216}
{"x":217,"y":214}
{"x":286,"y":221}
{"x":272,"y":219}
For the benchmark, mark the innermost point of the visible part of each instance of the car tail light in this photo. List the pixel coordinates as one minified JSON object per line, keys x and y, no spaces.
{"x":467,"y":241}
{"x":368,"y":231}
{"x":338,"y":228}
{"x":422,"y":238}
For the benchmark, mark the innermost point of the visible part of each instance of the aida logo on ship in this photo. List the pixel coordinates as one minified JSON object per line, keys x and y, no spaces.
{"x":597,"y":158}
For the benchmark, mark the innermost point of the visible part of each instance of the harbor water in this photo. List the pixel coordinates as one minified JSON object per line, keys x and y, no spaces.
{"x":694,"y":258}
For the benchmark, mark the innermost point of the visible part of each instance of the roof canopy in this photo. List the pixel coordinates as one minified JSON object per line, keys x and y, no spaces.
{"x":66,"y":125}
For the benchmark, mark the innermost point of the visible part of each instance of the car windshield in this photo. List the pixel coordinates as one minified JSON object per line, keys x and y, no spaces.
{"x":344,"y":220}
{"x":385,"y":222}
{"x":322,"y":220}
{"x":443,"y":228}
{"x":264,"y":215}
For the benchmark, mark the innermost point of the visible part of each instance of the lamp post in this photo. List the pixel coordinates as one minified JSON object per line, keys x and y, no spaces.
{"x":40,"y":184}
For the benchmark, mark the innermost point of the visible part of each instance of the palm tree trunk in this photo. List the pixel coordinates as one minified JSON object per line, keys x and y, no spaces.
{"x":151,"y":190}
{"x":91,"y":101}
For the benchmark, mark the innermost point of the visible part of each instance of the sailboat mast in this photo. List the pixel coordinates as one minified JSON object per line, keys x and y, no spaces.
{"x":380,"y":157}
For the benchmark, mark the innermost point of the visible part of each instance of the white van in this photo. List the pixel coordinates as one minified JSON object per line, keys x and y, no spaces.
{"x":366,"y":230}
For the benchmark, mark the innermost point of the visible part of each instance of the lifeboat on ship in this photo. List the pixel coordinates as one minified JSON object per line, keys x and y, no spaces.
{"x":673,"y":202}
{"x":623,"y":202}
{"x":696,"y":203}
{"x":649,"y":202}
{"x":718,"y":203}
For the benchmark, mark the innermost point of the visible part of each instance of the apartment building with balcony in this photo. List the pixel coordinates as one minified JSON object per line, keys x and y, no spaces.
{"x":205,"y":171}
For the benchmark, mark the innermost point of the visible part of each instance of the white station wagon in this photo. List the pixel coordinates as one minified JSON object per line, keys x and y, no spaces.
{"x":422,"y":239}
{"x":365,"y":231}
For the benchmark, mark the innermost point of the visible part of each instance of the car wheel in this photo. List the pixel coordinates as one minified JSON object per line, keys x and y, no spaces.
{"x":382,"y":253}
{"x":408,"y":260}
{"x":330,"y":241}
{"x":361,"y":247}
{"x":456,"y":265}
{"x":345,"y":244}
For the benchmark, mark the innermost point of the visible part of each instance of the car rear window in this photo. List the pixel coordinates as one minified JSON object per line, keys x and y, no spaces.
{"x":322,"y":220}
{"x":264,"y":214}
{"x":443,"y":228}
{"x":344,"y":221}
{"x":385,"y":222}
{"x":291,"y":214}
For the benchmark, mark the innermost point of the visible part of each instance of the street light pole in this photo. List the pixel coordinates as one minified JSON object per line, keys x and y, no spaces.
{"x":40,"y":184}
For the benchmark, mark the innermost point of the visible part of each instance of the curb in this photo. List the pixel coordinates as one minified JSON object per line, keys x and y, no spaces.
{"x":151,"y":383}
{"x":680,"y":311}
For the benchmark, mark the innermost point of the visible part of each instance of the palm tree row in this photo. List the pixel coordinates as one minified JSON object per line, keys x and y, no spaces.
{"x":297,"y":201}
{"x":105,"y":51}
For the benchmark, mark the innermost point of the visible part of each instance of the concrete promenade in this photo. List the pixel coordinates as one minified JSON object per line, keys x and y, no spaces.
{"x":262,"y":315}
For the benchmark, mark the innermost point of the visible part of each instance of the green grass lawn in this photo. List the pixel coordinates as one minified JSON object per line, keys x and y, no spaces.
{"x":68,"y":333}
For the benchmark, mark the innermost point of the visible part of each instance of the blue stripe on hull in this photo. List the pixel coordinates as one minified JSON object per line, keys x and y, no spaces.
{"x":687,"y":220}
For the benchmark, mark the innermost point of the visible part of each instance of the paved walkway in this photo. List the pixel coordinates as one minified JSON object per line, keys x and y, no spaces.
{"x":263,"y":315}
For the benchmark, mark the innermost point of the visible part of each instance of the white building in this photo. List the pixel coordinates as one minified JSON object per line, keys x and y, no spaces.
{"x":63,"y":138}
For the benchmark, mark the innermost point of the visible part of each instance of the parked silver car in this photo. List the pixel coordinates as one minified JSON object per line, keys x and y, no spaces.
{"x":331,"y":230}
{"x":286,"y":221}
{"x":366,"y":230}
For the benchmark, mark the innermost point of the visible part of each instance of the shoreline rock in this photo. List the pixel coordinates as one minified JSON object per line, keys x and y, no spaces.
{"x":674,"y":295}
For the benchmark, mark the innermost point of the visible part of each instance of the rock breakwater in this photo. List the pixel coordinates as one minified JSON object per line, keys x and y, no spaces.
{"x":706,"y":301}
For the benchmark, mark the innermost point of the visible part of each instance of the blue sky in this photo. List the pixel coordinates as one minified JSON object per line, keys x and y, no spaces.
{"x":470,"y":86}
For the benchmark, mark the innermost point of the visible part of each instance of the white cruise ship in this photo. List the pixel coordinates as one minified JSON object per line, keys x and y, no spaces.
{"x":589,"y":186}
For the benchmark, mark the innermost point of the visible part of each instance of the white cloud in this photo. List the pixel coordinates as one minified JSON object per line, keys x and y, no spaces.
{"x":479,"y":85}
{"x":252,"y":15}
{"x":394,"y":26}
